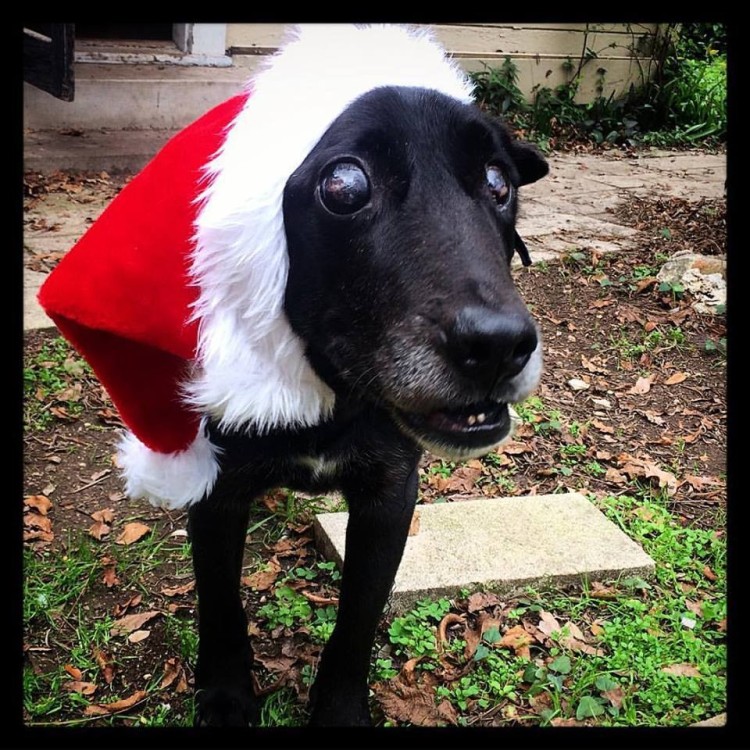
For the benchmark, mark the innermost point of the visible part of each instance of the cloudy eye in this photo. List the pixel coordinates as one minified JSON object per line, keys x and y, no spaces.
{"x":498,"y":185}
{"x":344,"y":188}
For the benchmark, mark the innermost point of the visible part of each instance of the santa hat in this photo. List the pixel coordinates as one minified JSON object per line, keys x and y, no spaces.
{"x":175,"y":294}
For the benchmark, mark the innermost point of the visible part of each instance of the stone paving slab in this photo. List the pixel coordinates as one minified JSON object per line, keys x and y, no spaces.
{"x":501,"y":544}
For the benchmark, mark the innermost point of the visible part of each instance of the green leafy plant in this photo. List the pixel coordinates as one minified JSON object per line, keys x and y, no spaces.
{"x":287,"y":608}
{"x":414,"y":632}
{"x":684,"y":100}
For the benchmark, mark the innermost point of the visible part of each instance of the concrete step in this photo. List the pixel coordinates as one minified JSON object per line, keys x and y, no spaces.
{"x":502,"y":545}
{"x":92,"y":150}
{"x":162,"y":97}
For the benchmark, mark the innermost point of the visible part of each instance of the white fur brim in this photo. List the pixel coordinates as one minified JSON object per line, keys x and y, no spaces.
{"x":252,"y":372}
{"x":168,"y":480}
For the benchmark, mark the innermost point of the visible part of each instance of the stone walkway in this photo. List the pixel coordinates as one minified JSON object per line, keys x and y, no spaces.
{"x":572,"y":207}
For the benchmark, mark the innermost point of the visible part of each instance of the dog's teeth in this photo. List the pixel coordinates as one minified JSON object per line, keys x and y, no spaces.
{"x":481,"y":418}
{"x":472,"y":419}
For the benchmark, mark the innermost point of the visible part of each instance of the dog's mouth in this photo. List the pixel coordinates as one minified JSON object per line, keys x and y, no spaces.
{"x":473,"y":427}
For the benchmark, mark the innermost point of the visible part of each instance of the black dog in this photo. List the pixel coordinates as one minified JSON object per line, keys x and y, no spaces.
{"x":400,"y":230}
{"x":308,"y":287}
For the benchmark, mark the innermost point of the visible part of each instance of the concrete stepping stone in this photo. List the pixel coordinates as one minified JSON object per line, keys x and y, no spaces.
{"x":501,"y":544}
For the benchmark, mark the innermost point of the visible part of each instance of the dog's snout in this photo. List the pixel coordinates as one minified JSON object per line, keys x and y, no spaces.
{"x":486,"y":345}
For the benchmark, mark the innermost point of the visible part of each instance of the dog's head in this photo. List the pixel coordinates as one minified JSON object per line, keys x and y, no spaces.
{"x":400,"y":228}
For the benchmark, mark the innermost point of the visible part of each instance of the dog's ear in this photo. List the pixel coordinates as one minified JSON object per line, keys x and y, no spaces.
{"x":530,"y":163}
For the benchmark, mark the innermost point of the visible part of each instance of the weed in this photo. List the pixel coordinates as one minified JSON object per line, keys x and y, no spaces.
{"x":287,"y":608}
{"x":282,"y":709}
{"x":383,"y":670}
{"x":323,"y":623}
{"x":49,"y":379}
{"x":683,"y":101}
{"x":413,"y":634}
{"x":181,"y":633}
{"x":528,"y":409}
{"x":43,"y":695}
{"x":442,"y":468}
{"x":594,"y":468}
{"x":573,"y":450}
{"x":675,"y":289}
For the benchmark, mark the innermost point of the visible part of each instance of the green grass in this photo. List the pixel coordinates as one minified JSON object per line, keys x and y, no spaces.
{"x":53,"y":583}
{"x":49,"y":381}
{"x":61,"y":588}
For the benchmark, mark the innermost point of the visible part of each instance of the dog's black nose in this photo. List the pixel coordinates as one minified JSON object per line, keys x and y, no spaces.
{"x":487,"y":346}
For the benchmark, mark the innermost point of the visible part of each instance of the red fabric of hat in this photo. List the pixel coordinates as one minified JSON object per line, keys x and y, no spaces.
{"x":123,"y":295}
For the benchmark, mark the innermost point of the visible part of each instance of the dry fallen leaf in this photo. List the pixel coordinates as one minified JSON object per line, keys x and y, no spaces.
{"x":678,"y":377}
{"x":40,"y":503}
{"x":109,"y":577}
{"x":179,"y":590}
{"x":132,"y":601}
{"x":514,"y":448}
{"x":481,"y":600}
{"x":699,"y":484}
{"x":132,"y":532}
{"x":74,"y":672}
{"x":517,"y":639}
{"x":99,"y":530}
{"x":106,"y":665}
{"x":602,"y":427}
{"x":615,"y":696}
{"x":174,"y":671}
{"x":413,"y":704}
{"x":548,"y":623}
{"x":129,"y":623}
{"x":642,"y":385}
{"x":597,"y":628}
{"x":275,"y":663}
{"x":559,"y":721}
{"x":442,"y":632}
{"x":641,"y":467}
{"x":38,"y":535}
{"x":105,"y":515}
{"x":262,"y":580}
{"x":102,"y":709}
{"x":139,"y":635}
{"x":600,"y":591}
{"x":76,"y":686}
{"x":414,"y":525}
{"x":613,"y":475}
{"x":682,"y":670}
{"x":322,"y":600}
{"x":653,"y":417}
{"x":35,"y":521}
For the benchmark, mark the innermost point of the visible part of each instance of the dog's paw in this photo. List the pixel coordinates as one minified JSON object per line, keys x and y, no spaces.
{"x":225,"y":707}
{"x":339,"y":711}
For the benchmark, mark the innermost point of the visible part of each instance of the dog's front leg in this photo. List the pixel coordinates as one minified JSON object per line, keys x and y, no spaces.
{"x":381,"y":503}
{"x":224,"y":692}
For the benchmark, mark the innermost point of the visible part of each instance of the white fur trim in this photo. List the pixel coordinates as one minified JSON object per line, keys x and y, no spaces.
{"x":168,"y":480}
{"x":252,"y":369}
